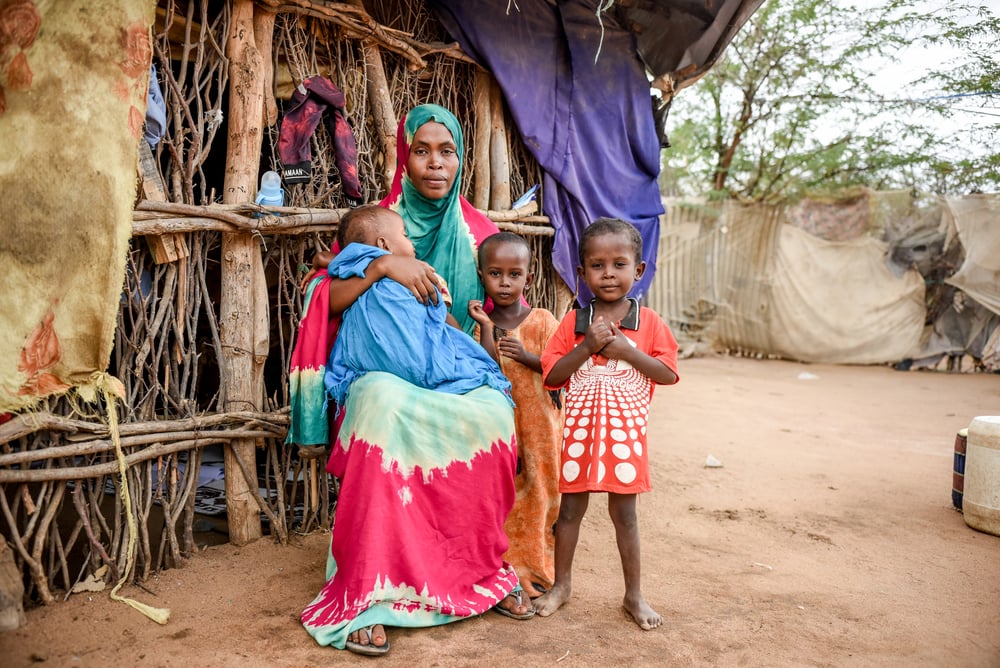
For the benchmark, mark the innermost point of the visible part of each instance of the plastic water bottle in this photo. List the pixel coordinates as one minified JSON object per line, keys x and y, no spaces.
{"x":271,"y":193}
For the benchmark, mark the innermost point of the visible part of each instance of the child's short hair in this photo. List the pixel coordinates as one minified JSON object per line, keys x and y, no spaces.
{"x":501,"y":238}
{"x":361,"y":225}
{"x":603,"y":226}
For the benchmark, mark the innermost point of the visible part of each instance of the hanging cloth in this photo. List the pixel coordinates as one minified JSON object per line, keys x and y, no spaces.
{"x":309,"y":102}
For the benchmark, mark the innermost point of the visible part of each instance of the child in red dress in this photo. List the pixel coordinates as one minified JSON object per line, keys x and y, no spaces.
{"x":609,"y":356}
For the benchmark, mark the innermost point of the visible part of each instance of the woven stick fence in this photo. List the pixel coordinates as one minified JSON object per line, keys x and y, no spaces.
{"x":61,"y":509}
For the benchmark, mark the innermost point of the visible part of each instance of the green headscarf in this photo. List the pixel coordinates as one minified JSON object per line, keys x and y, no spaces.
{"x":445,"y":232}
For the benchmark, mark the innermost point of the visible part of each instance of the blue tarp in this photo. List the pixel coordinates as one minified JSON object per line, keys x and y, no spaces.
{"x":581,"y":100}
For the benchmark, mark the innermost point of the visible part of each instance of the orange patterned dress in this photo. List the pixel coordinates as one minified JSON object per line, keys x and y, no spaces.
{"x":538,"y":424}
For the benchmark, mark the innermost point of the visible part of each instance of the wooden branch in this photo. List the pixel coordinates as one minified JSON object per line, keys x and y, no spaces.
{"x":167,"y":247}
{"x":527,"y":230}
{"x":356,"y":23}
{"x":34,"y":566}
{"x":111,"y":467}
{"x":106,"y":445}
{"x":511,"y":214}
{"x":237,"y":221}
{"x":481,"y":140}
{"x":383,"y":115}
{"x":241,"y":368}
{"x":263,"y":31}
{"x":29,"y":423}
{"x":499,"y":151}
{"x":41,"y":536}
{"x":151,"y":218}
{"x":251,"y":478}
{"x":83,"y":512}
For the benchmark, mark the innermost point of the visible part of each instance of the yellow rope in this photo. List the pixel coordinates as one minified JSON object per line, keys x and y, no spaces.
{"x":111,"y":388}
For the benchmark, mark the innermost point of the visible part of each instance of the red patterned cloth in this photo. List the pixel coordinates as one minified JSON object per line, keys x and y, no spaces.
{"x":309,"y":102}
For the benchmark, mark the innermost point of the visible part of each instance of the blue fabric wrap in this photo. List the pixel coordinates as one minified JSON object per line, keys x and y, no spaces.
{"x":589,"y":124}
{"x":387,"y":329}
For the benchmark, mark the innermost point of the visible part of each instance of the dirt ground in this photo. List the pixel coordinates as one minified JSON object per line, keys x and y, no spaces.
{"x":826,"y":538}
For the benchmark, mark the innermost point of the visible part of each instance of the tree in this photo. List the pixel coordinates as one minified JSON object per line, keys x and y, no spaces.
{"x":792,"y":106}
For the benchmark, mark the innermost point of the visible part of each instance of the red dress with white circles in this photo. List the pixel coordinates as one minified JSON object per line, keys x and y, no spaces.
{"x":607,"y":405}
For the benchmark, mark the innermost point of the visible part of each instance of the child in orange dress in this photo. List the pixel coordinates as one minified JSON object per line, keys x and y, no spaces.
{"x":515,"y":334}
{"x":609,"y":355}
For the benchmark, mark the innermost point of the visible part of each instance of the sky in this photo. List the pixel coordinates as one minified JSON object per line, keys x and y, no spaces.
{"x":904,"y":79}
{"x":971,"y":128}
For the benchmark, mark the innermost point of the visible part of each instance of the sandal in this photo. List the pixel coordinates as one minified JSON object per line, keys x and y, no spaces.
{"x":369,"y":649}
{"x":516,"y":593}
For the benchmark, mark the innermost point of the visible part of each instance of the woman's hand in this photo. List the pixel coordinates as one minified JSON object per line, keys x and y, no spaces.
{"x":304,"y":283}
{"x":417,"y":276}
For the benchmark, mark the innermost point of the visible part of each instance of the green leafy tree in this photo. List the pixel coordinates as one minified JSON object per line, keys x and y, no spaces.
{"x":791,"y":107}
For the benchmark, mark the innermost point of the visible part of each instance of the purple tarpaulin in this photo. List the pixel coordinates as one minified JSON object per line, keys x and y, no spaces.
{"x":589,"y":124}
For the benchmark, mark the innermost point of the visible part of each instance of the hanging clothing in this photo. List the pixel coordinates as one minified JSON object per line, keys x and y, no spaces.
{"x":307,"y":402}
{"x":580,"y":97}
{"x":310,"y":101}
{"x":156,"y":111}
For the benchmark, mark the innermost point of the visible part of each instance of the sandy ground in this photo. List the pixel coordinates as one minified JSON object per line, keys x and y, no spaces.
{"x":827,"y":538}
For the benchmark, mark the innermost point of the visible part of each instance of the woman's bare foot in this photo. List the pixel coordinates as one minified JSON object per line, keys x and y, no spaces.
{"x":641,"y":613}
{"x":552,"y":600}
{"x":516,"y":605}
{"x":370,"y":640}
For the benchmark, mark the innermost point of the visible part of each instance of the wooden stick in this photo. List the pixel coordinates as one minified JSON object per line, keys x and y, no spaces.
{"x":499,"y":152}
{"x":108,"y":468}
{"x":106,"y":445}
{"x":380,"y":104}
{"x":95,"y":544}
{"x":263,"y":31}
{"x":481,"y":140}
{"x":147,"y":221}
{"x":28,"y":423}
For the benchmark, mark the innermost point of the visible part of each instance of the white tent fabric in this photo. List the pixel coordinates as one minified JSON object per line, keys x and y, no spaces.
{"x":838,"y":302}
{"x":977,"y":218}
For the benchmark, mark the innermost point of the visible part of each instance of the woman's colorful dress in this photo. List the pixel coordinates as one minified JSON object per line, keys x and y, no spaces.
{"x":427,"y":481}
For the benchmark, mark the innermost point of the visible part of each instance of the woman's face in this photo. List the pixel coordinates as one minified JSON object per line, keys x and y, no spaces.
{"x":433,"y":161}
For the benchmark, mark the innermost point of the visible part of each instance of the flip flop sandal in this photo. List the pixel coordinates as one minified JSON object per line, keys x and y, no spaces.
{"x":516,"y":592}
{"x":370,"y":649}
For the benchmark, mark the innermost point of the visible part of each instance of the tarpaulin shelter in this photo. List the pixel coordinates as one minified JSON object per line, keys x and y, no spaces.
{"x":576,"y":75}
{"x":870,"y":277}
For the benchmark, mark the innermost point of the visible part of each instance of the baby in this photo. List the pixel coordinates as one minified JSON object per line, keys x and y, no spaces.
{"x":387,"y":329}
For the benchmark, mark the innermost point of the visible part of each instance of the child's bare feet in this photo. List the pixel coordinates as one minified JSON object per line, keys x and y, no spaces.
{"x":552,"y":600}
{"x":641,"y":613}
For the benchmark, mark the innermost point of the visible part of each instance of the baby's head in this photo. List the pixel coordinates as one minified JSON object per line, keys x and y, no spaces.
{"x":504,"y":267}
{"x":375,"y":225}
{"x":610,"y":258}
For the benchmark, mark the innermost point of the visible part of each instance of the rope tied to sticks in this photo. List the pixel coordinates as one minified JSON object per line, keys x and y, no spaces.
{"x":111,"y":389}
